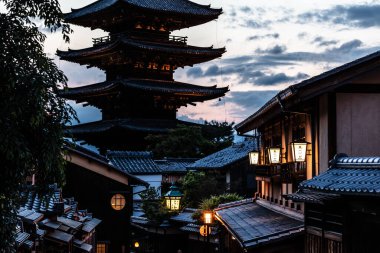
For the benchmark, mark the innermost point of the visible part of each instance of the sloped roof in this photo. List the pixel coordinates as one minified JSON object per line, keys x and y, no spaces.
{"x":347,"y":176}
{"x":134,"y":162}
{"x":175,"y":165}
{"x":145,"y":85}
{"x":327,"y":78}
{"x":181,"y":7}
{"x":133,"y":125}
{"x":227,"y":156}
{"x":174,"y":6}
{"x":253,"y":225}
{"x":82,"y":151}
{"x":124,"y":41}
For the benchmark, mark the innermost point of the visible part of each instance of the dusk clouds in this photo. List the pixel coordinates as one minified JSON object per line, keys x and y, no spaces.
{"x":270,"y":45}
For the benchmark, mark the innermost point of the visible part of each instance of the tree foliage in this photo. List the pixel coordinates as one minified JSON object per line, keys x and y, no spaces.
{"x":213,"y":202}
{"x":153,"y":206}
{"x":192,"y":141}
{"x":31,"y":115}
{"x":197,"y":186}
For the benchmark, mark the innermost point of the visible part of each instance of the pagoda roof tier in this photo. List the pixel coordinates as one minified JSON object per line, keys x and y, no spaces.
{"x":125,"y":50}
{"x":188,"y":92}
{"x":129,"y":124}
{"x":175,"y":14}
{"x":122,"y":134}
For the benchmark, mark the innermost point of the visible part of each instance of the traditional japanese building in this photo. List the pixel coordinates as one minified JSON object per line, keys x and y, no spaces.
{"x":139,"y":57}
{"x":342,"y":211}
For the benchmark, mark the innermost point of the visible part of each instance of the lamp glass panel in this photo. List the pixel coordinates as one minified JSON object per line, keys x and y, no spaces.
{"x":274,"y":155}
{"x":253,"y":157}
{"x":174,"y":204}
{"x":207,"y":217}
{"x":299,"y":151}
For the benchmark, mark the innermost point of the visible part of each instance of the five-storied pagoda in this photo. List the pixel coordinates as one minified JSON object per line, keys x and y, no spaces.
{"x":139,"y":95}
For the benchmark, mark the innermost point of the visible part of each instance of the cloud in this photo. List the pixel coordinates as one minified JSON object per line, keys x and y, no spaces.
{"x":362,"y":16}
{"x":278,"y":78}
{"x":277,"y":49}
{"x":322,"y":42}
{"x":194,"y":72}
{"x":213,"y":70}
{"x":258,"y":37}
{"x":246,"y":9}
{"x":250,"y":100}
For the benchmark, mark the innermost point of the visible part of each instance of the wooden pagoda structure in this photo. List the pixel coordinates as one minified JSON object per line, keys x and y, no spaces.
{"x":139,"y":56}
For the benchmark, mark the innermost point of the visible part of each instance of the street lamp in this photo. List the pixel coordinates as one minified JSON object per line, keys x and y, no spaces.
{"x":253,"y":157}
{"x":274,"y":155}
{"x":299,"y":150}
{"x":173,"y":198}
{"x":208,"y":219}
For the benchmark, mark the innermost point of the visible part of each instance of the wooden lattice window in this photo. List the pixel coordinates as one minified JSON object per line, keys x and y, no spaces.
{"x":101,"y":247}
{"x":118,"y":202}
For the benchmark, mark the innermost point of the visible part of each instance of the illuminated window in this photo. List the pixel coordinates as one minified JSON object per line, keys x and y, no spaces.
{"x":101,"y":248}
{"x":165,"y":67}
{"x":117,"y":202}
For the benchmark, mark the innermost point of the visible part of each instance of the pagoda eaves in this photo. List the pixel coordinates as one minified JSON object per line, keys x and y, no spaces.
{"x":169,"y":93}
{"x":125,"y":50}
{"x":164,"y":14}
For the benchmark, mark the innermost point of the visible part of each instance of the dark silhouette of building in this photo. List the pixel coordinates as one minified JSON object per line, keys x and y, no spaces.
{"x":139,"y":56}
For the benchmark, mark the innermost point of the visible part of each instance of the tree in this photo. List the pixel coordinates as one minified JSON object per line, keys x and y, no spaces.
{"x":32,"y":117}
{"x":192,"y":141}
{"x":213,"y":202}
{"x":154,"y":209}
{"x":197,"y":186}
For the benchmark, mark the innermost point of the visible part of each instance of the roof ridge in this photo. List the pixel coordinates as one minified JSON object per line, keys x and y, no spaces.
{"x":235,"y":203}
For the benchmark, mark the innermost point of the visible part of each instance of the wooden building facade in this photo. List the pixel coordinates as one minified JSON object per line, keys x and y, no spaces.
{"x":106,"y":191}
{"x":342,"y":206}
{"x":335,"y":112}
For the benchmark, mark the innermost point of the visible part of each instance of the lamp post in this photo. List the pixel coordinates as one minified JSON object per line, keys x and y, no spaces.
{"x":173,"y":198}
{"x":208,"y":219}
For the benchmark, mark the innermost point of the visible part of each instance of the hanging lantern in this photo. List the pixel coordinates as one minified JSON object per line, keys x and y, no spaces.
{"x":274,"y":155}
{"x":299,"y":150}
{"x":173,"y":198}
{"x":253,"y":157}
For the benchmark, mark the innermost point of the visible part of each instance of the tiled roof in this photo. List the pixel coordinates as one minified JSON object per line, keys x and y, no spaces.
{"x":292,"y":90}
{"x":134,"y":162}
{"x":348,"y":175}
{"x":184,"y":216}
{"x":124,"y":41}
{"x":227,"y":156}
{"x":182,"y":7}
{"x":146,"y":85}
{"x":175,"y":165}
{"x":133,"y":125}
{"x":194,"y":228}
{"x":252,"y":224}
{"x":103,"y":160}
{"x":46,"y":211}
{"x":312,"y":196}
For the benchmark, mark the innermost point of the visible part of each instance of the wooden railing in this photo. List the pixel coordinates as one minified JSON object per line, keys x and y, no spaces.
{"x":145,"y":35}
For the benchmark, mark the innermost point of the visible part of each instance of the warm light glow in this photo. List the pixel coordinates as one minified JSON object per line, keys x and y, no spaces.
{"x":173,"y":203}
{"x":274,"y":155}
{"x":137,"y":244}
{"x":253,"y":157}
{"x":117,"y":202}
{"x":299,"y":151}
{"x":207,"y":217}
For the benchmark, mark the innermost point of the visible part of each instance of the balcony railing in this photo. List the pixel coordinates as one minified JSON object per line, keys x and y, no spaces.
{"x":267,"y":171}
{"x":146,"y":36}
